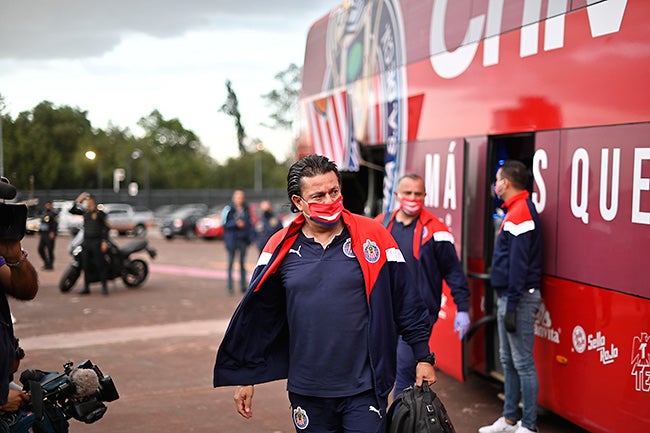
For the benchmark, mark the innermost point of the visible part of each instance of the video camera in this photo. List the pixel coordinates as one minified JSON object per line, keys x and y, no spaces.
{"x":78,"y":392}
{"x":12,"y":216}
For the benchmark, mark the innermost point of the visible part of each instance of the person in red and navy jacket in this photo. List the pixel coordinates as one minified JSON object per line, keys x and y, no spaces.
{"x":328,"y":298}
{"x":516,"y":277}
{"x":428,"y":248}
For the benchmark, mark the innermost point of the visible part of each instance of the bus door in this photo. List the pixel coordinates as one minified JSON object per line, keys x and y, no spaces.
{"x":484,"y":216}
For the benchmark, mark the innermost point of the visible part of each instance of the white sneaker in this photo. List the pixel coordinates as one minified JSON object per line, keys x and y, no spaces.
{"x":500,"y":426}
{"x":523,"y":429}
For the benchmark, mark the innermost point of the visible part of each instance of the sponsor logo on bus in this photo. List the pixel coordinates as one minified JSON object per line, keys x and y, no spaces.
{"x":597,"y":342}
{"x":544,"y":326}
{"x":641,"y":362}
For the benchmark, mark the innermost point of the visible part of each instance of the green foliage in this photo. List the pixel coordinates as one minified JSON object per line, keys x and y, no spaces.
{"x":284,"y":101}
{"x":45,"y":149}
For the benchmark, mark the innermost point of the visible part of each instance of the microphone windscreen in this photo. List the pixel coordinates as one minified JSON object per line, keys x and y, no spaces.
{"x":85,"y":381}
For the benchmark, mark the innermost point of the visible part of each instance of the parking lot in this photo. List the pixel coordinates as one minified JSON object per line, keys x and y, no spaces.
{"x":158,"y":343}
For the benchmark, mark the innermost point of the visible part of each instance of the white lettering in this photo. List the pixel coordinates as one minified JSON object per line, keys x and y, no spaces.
{"x":432,"y":180}
{"x":580,"y":159}
{"x":540,"y":162}
{"x":492,"y":33}
{"x":608,"y":214}
{"x":640,"y":184}
{"x":595,"y":342}
{"x":605,"y":17}
{"x":449,"y":199}
{"x":530,"y":28}
{"x":446,"y":63}
{"x":608,"y":356}
{"x":554,"y":30}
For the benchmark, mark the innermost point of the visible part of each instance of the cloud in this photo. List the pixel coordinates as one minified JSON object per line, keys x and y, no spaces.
{"x":121,"y":59}
{"x":68,"y":29}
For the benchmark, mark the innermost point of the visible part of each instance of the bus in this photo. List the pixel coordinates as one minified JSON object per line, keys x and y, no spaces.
{"x":449,"y":90}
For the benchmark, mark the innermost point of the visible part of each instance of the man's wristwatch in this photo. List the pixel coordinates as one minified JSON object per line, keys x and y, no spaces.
{"x":430,"y":358}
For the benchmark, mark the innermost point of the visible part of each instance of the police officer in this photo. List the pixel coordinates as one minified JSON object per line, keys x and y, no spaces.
{"x":95,"y":243}
{"x":48,"y":230}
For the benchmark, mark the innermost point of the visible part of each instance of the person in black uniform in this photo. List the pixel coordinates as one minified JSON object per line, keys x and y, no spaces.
{"x":95,"y":243}
{"x":48,"y":229}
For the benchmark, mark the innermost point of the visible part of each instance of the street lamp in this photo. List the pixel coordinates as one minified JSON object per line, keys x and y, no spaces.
{"x":92,"y":156}
{"x":137,"y":154}
{"x":258,"y":166}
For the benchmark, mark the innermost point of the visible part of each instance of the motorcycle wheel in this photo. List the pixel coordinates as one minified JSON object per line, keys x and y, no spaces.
{"x":70,"y":276}
{"x":135,"y":274}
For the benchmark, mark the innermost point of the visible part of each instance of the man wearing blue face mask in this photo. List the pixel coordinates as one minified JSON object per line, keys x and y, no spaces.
{"x":327,"y":300}
{"x":428,"y":248}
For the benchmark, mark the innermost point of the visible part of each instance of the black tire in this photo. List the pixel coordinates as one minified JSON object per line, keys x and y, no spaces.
{"x":136,"y":273}
{"x":140,"y":230}
{"x":70,"y":276}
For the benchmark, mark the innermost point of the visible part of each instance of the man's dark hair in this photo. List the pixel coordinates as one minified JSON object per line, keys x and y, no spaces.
{"x":516,"y":172}
{"x":309,"y":166}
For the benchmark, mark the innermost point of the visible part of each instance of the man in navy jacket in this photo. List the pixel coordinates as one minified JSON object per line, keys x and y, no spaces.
{"x":329,"y":296}
{"x":516,"y":276}
{"x":428,"y":248}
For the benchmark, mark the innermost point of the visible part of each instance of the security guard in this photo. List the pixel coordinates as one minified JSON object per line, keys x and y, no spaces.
{"x":95,"y":243}
{"x":48,"y":230}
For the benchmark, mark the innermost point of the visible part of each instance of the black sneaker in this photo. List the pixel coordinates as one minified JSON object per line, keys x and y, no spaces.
{"x":85,"y":291}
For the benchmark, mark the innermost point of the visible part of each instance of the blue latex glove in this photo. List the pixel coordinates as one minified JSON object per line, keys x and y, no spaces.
{"x":461,"y":324}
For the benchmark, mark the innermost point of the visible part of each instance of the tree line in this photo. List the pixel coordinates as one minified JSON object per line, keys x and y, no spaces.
{"x":45,"y":148}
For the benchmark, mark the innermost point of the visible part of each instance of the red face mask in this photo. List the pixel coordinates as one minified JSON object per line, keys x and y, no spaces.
{"x":326,"y":214}
{"x":411,"y":207}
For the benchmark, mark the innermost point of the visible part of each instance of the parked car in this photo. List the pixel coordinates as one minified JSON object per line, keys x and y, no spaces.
{"x":32,"y":225}
{"x":68,"y":223}
{"x":162,"y":212}
{"x":211,"y":225}
{"x":182,"y":221}
{"x":126,"y":219}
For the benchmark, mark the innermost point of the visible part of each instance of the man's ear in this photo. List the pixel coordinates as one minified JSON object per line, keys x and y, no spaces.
{"x":297,"y":202}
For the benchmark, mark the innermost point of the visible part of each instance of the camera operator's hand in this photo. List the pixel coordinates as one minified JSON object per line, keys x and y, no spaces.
{"x":19,"y":280}
{"x":244,"y":400}
{"x":15,"y":400}
{"x":10,"y":250}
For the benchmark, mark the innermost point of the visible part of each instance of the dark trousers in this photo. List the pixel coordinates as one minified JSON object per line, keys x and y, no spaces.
{"x":359,"y":413}
{"x":46,"y":249}
{"x":240,"y":247}
{"x":92,"y":254}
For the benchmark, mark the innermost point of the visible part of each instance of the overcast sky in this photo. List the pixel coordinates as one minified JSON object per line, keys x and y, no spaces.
{"x":120,"y":59}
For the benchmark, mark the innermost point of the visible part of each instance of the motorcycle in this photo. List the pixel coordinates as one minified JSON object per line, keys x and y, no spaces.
{"x":133,"y":272}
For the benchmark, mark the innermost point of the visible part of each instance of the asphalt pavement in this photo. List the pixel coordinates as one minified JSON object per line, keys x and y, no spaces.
{"x":158,"y":343}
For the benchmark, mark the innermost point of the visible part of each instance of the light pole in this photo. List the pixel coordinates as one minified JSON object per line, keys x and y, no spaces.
{"x":137,"y":154}
{"x":258,"y":166}
{"x":92,"y":156}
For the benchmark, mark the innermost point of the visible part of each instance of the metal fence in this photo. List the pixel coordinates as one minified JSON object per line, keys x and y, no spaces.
{"x":154,"y":198}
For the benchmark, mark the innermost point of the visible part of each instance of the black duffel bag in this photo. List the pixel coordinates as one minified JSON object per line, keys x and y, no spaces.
{"x":418,"y":410}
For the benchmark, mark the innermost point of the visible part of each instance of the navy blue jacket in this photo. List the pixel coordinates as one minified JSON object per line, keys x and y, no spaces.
{"x":434,"y":251}
{"x":517,"y":259}
{"x":232,"y":233}
{"x":255,"y":346}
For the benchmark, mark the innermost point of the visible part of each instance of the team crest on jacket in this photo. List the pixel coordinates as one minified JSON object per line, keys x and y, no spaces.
{"x":371,"y":251}
{"x":425,"y":232}
{"x":300,"y":418}
{"x":347,"y":248}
